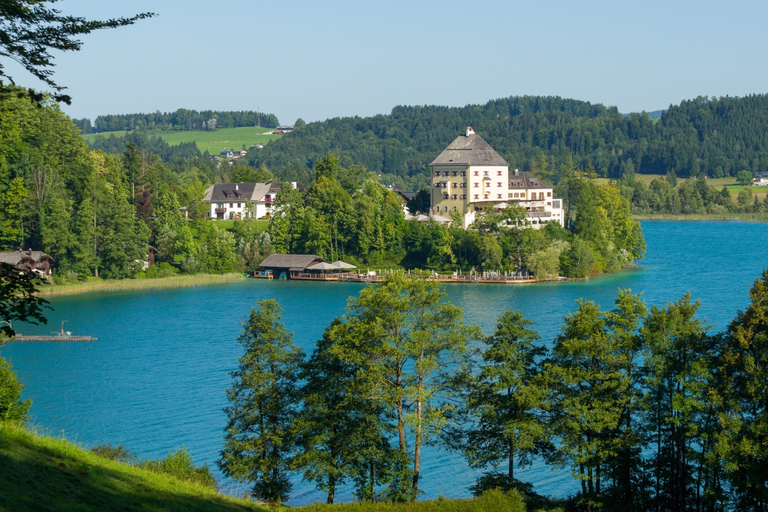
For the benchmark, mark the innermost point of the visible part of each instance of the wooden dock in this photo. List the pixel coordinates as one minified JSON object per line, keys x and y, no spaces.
{"x":349,"y":277}
{"x":54,"y":337}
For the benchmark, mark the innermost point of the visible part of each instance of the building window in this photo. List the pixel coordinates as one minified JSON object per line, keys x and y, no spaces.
{"x":437,"y":173}
{"x":498,"y":173}
{"x":445,"y":196}
{"x":455,"y":185}
{"x":463,"y":173}
{"x":476,"y":184}
{"x":239,"y":205}
{"x":445,"y":209}
{"x":498,"y":184}
{"x":476,"y":173}
{"x":455,"y":173}
{"x":485,"y":173}
{"x":477,"y":196}
{"x":445,"y":173}
{"x":556,"y":204}
{"x":455,"y":208}
{"x":455,"y":196}
{"x":485,"y":196}
{"x":498,"y":196}
{"x":230,"y":205}
{"x":549,"y":194}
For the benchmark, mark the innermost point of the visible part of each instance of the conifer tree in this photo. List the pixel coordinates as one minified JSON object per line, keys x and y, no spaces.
{"x":506,"y":401}
{"x":263,"y":406}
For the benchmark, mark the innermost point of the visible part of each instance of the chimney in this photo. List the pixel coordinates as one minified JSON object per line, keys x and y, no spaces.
{"x":517,"y":173}
{"x":235,"y":186}
{"x":470,"y":131}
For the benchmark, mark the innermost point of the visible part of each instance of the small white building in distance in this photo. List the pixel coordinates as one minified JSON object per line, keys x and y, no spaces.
{"x":470,"y":175}
{"x":230,"y":200}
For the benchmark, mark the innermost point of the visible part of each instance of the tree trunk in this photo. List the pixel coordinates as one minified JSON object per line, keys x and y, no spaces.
{"x":417,"y":443}
{"x":373,"y":488}
{"x":331,"y":489}
{"x":511,"y":460}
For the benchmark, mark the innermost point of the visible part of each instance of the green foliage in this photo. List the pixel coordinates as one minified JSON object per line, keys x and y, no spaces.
{"x":408,"y":347}
{"x":263,"y":404}
{"x":744,"y":177}
{"x":12,"y":408}
{"x":31,"y":29}
{"x":495,"y":501}
{"x":505,"y":401}
{"x":184,"y":120}
{"x":117,"y":453}
{"x":180,"y":464}
{"x":18,"y":299}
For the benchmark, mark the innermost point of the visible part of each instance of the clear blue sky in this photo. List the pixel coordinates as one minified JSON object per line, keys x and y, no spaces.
{"x":317,"y":60}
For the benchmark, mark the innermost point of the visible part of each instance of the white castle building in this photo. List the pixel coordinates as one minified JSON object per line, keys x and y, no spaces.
{"x":470,"y":175}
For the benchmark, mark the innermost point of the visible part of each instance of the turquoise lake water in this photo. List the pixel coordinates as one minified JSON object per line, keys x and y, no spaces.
{"x":155,"y":378}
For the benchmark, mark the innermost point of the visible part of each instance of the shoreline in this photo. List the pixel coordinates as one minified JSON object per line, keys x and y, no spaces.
{"x":744,"y":217}
{"x":183,"y":281}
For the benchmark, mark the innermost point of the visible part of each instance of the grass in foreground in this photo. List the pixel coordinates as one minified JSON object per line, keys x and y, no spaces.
{"x":103,"y":285}
{"x":42,"y":473}
{"x":495,"y":501}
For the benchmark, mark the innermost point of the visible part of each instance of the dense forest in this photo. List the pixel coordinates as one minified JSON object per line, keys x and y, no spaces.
{"x":180,"y":120}
{"x":646,"y":408}
{"x":706,"y":136}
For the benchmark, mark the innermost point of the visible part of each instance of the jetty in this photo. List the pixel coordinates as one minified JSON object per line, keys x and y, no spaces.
{"x":61,"y":335}
{"x":310,"y":267}
{"x":52,"y":337}
{"x":376,"y":277}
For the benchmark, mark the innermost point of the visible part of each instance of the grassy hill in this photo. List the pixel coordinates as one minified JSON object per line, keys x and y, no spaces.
{"x":213,"y":142}
{"x":44,"y":473}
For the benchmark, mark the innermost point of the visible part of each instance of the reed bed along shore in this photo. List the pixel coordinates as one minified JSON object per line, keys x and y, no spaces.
{"x":746,"y":217}
{"x":119,"y":285}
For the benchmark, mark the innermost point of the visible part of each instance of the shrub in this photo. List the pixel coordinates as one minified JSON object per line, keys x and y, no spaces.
{"x":12,"y":408}
{"x":180,"y":464}
{"x":117,"y":453}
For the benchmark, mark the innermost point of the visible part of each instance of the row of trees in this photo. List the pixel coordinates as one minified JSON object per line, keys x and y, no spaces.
{"x":181,"y":120}
{"x":693,"y":196}
{"x":646,"y":409}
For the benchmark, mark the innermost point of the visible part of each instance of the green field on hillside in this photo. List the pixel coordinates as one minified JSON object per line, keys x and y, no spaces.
{"x":213,"y":142}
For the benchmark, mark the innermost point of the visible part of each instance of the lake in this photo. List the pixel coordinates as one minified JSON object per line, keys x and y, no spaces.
{"x":155,"y":378}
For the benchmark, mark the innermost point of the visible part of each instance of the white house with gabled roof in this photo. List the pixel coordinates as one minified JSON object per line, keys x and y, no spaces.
{"x":232,"y":200}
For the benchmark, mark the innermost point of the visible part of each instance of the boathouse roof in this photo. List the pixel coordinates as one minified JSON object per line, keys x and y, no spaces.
{"x":469,"y":150}
{"x":296,"y":262}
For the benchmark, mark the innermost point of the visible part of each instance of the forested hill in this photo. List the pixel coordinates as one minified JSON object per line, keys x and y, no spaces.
{"x":180,"y":120}
{"x":713,"y":136}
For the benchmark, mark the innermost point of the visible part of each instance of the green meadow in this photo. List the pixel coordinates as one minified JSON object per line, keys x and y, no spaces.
{"x":213,"y":142}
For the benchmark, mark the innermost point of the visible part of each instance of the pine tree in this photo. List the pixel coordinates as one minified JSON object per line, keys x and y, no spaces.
{"x":506,"y":402}
{"x":264,"y":404}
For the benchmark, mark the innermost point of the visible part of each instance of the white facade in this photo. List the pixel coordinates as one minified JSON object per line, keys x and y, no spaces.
{"x":470,"y":176}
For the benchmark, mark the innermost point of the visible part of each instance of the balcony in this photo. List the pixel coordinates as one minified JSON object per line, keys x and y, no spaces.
{"x":221,"y":210}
